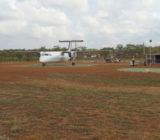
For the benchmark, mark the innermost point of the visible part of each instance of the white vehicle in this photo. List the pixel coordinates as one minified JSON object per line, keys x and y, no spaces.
{"x":60,"y":56}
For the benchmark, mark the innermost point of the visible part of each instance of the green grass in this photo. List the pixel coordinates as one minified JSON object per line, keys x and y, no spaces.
{"x":15,"y":129}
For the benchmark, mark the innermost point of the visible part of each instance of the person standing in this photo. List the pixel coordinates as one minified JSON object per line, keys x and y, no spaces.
{"x":133,"y":61}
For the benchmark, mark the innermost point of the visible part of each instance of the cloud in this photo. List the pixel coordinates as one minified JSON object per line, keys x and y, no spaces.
{"x":102,"y":14}
{"x":69,"y":5}
{"x":90,"y":21}
{"x":98,"y":22}
{"x":12,"y":27}
{"x":31,"y":18}
{"x":128,"y":20}
{"x":48,"y":31}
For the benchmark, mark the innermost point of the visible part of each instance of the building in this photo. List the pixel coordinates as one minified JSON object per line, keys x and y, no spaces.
{"x":155,"y":58}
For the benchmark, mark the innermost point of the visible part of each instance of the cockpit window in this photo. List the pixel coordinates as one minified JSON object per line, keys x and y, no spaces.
{"x":45,"y":54}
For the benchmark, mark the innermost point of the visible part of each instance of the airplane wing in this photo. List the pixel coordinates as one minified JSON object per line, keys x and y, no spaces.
{"x":25,"y":51}
{"x":94,"y":51}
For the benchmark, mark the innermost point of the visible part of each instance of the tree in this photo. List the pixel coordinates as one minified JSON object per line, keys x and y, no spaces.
{"x":43,"y":48}
{"x":19,"y":55}
{"x":119,"y":47}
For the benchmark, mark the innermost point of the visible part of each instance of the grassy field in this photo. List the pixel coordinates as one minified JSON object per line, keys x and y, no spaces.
{"x":81,"y":106}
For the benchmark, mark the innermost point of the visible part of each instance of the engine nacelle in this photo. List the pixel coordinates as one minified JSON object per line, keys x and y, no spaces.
{"x":71,"y":54}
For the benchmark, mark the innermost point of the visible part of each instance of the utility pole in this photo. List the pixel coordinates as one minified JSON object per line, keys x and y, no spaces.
{"x":150,"y":51}
{"x":144,"y":50}
{"x":145,"y":60}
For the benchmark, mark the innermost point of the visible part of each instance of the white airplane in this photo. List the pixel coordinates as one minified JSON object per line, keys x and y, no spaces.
{"x":60,"y":56}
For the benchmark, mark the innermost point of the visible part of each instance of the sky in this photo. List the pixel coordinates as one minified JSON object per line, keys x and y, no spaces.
{"x":31,"y":24}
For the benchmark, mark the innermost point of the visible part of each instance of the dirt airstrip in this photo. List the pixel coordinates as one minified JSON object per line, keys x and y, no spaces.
{"x":11,"y":73}
{"x":79,"y":103}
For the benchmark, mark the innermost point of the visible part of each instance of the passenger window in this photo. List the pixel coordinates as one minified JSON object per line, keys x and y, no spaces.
{"x":46,"y":54}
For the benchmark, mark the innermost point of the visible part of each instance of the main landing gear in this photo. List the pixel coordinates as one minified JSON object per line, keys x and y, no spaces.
{"x":73,"y":64}
{"x":43,"y":64}
{"x":73,"y":61}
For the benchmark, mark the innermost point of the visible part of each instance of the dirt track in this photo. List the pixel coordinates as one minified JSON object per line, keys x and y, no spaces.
{"x":72,"y":103}
{"x":10,"y":73}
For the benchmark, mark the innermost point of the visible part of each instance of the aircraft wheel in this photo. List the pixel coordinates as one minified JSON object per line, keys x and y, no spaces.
{"x":43,"y":64}
{"x":73,"y":64}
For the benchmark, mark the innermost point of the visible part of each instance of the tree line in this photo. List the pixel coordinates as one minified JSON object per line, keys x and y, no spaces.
{"x":120,"y":51}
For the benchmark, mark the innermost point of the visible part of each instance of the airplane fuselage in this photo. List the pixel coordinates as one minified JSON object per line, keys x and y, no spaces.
{"x":60,"y":56}
{"x":47,"y":57}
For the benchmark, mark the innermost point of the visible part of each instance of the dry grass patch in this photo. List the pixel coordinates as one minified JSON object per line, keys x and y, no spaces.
{"x":57,"y":107}
{"x":79,"y":103}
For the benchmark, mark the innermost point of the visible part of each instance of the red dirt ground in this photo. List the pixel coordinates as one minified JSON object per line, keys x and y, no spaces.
{"x":10,"y":73}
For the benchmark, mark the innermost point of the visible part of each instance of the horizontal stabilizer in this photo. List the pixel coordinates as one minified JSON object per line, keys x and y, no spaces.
{"x":70,"y":40}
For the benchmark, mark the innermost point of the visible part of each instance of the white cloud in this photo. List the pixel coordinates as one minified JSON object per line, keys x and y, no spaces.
{"x":48,"y":31}
{"x":148,"y":3}
{"x":108,"y":22}
{"x":102,"y":14}
{"x":12,"y":27}
{"x":156,"y":15}
{"x":130,"y":5}
{"x":31,"y":18}
{"x":90,"y":21}
{"x":70,"y":5}
{"x":47,"y":16}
